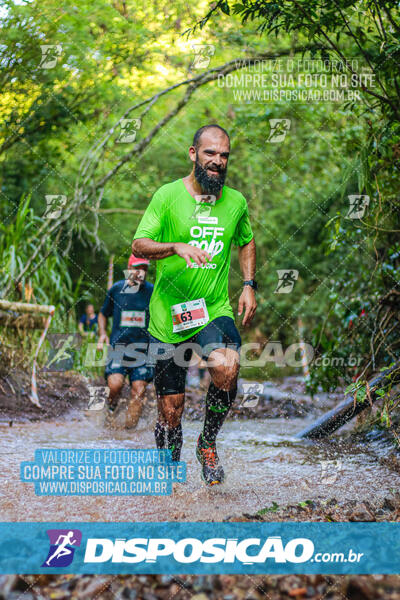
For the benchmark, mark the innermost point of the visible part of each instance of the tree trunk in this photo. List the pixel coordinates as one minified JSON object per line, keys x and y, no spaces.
{"x":347,"y":409}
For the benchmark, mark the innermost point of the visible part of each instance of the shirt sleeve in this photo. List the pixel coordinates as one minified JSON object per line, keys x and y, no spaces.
{"x":108,"y":306}
{"x":150,"y":225}
{"x":243,"y":232}
{"x":82,"y":319}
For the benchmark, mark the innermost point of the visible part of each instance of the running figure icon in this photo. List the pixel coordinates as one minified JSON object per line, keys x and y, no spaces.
{"x":62,"y":546}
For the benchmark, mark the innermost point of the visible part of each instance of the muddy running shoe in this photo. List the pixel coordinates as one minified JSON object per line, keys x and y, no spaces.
{"x":212,"y":472}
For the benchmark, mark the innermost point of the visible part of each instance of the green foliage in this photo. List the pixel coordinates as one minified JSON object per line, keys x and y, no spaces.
{"x":116,"y":55}
{"x":49,"y":277}
{"x":273,"y":508}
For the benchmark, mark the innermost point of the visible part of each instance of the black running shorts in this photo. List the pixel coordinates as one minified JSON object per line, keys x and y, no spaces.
{"x":171,"y":361}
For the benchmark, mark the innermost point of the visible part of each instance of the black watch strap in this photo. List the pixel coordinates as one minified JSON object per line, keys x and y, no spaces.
{"x":252,"y":283}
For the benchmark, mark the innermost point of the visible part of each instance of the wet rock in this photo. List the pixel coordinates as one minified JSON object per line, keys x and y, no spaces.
{"x":94,"y":587}
{"x":42,"y":579}
{"x":128,"y":594}
{"x":388,"y":504}
{"x":226,"y":581}
{"x":361,"y":588}
{"x":224,"y":587}
{"x":331,"y":502}
{"x":149,"y":596}
{"x":17,"y":596}
{"x":255,"y":517}
{"x":203,"y":583}
{"x":11,"y":583}
{"x":7,"y":583}
{"x":362,"y":513}
{"x":166,"y":579}
{"x":174,"y":589}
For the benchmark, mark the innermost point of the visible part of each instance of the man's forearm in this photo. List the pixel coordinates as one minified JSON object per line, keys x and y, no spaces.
{"x":247,"y":260}
{"x":102,"y":322}
{"x":147,"y":248}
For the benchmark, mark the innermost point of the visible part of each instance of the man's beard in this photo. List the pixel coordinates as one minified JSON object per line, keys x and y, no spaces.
{"x":210,"y":184}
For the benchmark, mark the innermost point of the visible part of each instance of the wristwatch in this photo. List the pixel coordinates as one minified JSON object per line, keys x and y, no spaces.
{"x":252,"y":283}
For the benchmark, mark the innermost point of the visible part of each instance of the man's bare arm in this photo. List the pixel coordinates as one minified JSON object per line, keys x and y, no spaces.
{"x":148,"y":248}
{"x":247,"y":300}
{"x":247,"y":260}
{"x":103,"y":337}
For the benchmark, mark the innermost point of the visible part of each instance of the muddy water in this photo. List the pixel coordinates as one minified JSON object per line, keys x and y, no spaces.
{"x":263,"y":461}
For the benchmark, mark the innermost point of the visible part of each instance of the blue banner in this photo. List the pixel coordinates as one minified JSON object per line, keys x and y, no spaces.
{"x":200,"y":548}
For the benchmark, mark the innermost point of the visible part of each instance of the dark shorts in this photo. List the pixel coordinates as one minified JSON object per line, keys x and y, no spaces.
{"x":169,"y":377}
{"x":144,"y":373}
{"x":135,"y":366}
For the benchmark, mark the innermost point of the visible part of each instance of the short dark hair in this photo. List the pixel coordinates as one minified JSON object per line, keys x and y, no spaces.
{"x":197,"y":135}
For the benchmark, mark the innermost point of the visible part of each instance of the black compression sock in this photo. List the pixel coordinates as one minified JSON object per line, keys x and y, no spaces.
{"x":175,"y":440}
{"x":218,"y":403}
{"x":169,"y":437}
{"x":159,"y":434}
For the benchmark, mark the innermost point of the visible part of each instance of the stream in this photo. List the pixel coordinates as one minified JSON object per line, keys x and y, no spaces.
{"x":263,"y":460}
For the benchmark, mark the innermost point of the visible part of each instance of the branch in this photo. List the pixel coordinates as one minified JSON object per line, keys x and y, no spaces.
{"x":337,"y":50}
{"x":380,"y":228}
{"x":395,"y":26}
{"x":193,"y":84}
{"x":360,"y":47}
{"x":380,"y":20}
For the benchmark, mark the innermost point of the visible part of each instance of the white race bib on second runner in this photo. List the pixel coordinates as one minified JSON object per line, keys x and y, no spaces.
{"x":133,"y":318}
{"x":188,"y":315}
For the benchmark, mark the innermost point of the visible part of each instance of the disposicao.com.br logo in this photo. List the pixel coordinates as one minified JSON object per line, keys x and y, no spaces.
{"x":62,"y":547}
{"x":212,"y":550}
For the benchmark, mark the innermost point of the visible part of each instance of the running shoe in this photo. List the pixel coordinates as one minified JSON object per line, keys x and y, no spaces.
{"x":212,"y":472}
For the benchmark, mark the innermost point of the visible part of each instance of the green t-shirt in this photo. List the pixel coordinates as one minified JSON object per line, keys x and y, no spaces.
{"x":173,"y":215}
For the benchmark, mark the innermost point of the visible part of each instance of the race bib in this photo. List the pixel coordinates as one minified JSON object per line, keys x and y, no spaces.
{"x":187,"y":315}
{"x":133,"y":318}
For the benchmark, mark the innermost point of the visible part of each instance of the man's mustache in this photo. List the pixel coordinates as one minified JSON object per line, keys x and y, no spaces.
{"x":218,"y":169}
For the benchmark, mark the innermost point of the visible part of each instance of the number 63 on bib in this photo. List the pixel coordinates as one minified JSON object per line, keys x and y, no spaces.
{"x":188,"y":315}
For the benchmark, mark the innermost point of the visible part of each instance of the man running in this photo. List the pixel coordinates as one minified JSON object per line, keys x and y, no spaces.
{"x":191,"y":224}
{"x":127,"y":302}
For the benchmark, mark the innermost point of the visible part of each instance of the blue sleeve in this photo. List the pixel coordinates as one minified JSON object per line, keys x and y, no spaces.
{"x":82,"y":319}
{"x":108,"y":306}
